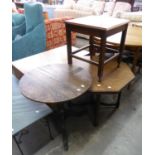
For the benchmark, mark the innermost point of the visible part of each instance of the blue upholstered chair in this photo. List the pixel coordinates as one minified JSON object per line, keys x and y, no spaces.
{"x":33,"y":40}
{"x":18,"y":25}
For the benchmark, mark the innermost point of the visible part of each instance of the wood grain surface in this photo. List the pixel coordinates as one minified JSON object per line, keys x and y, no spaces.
{"x":55,"y":83}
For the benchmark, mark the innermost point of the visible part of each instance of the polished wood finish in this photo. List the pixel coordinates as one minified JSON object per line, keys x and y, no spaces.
{"x":114,"y":78}
{"x":55,"y":83}
{"x":96,"y":26}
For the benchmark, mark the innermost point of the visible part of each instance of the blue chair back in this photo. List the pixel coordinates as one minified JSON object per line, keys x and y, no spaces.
{"x":34,"y":40}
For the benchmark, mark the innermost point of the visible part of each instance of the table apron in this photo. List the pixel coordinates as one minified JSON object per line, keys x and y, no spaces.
{"x":85,"y":30}
{"x":116,"y":30}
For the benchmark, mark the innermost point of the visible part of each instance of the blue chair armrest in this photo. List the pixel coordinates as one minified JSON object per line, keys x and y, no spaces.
{"x":31,"y":43}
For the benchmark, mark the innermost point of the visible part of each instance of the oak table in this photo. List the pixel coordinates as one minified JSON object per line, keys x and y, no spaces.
{"x":133,"y":41}
{"x":114,"y":79}
{"x":55,"y":84}
{"x":96,"y":26}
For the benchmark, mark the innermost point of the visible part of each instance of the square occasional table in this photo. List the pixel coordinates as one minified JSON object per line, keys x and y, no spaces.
{"x":96,"y":26}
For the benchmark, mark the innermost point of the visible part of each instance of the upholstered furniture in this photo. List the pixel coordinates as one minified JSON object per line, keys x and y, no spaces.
{"x":18,"y":25}
{"x":79,"y":8}
{"x":92,"y":7}
{"x":34,"y":40}
{"x":56,"y":33}
{"x":55,"y":36}
{"x":132,"y":16}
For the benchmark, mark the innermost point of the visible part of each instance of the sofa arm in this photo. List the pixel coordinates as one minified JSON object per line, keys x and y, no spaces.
{"x":132,"y":16}
{"x":56,"y":32}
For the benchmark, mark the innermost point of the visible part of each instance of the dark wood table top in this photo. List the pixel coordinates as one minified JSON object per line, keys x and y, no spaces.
{"x":114,"y":78}
{"x":55,"y":83}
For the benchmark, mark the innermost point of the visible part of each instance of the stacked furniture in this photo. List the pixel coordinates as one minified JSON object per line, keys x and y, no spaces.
{"x":114,"y":81}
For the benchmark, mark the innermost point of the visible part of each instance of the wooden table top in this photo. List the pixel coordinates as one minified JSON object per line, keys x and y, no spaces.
{"x":55,"y":83}
{"x":98,"y":22}
{"x":133,"y":37}
{"x":114,"y":79}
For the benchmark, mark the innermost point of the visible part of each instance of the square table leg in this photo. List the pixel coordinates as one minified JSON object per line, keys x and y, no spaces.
{"x":121,"y":47}
{"x":91,"y":47}
{"x":101,"y":57}
{"x":69,"y":44}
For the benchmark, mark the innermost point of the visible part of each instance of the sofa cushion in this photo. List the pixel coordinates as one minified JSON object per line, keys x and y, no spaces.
{"x":79,"y":7}
{"x":108,"y":8}
{"x":68,"y":4}
{"x":92,"y":6}
{"x":18,"y":25}
{"x":17,"y":19}
{"x":132,"y":16}
{"x":98,"y":7}
{"x":71,"y":13}
{"x":121,"y":7}
{"x":86,"y":3}
{"x":18,"y":30}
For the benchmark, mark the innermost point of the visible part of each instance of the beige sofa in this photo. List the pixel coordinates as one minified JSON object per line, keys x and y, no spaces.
{"x":91,"y":7}
{"x":115,"y":8}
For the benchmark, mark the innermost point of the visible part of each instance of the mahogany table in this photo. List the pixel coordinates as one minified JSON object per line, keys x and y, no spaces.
{"x":55,"y":84}
{"x":96,"y":26}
